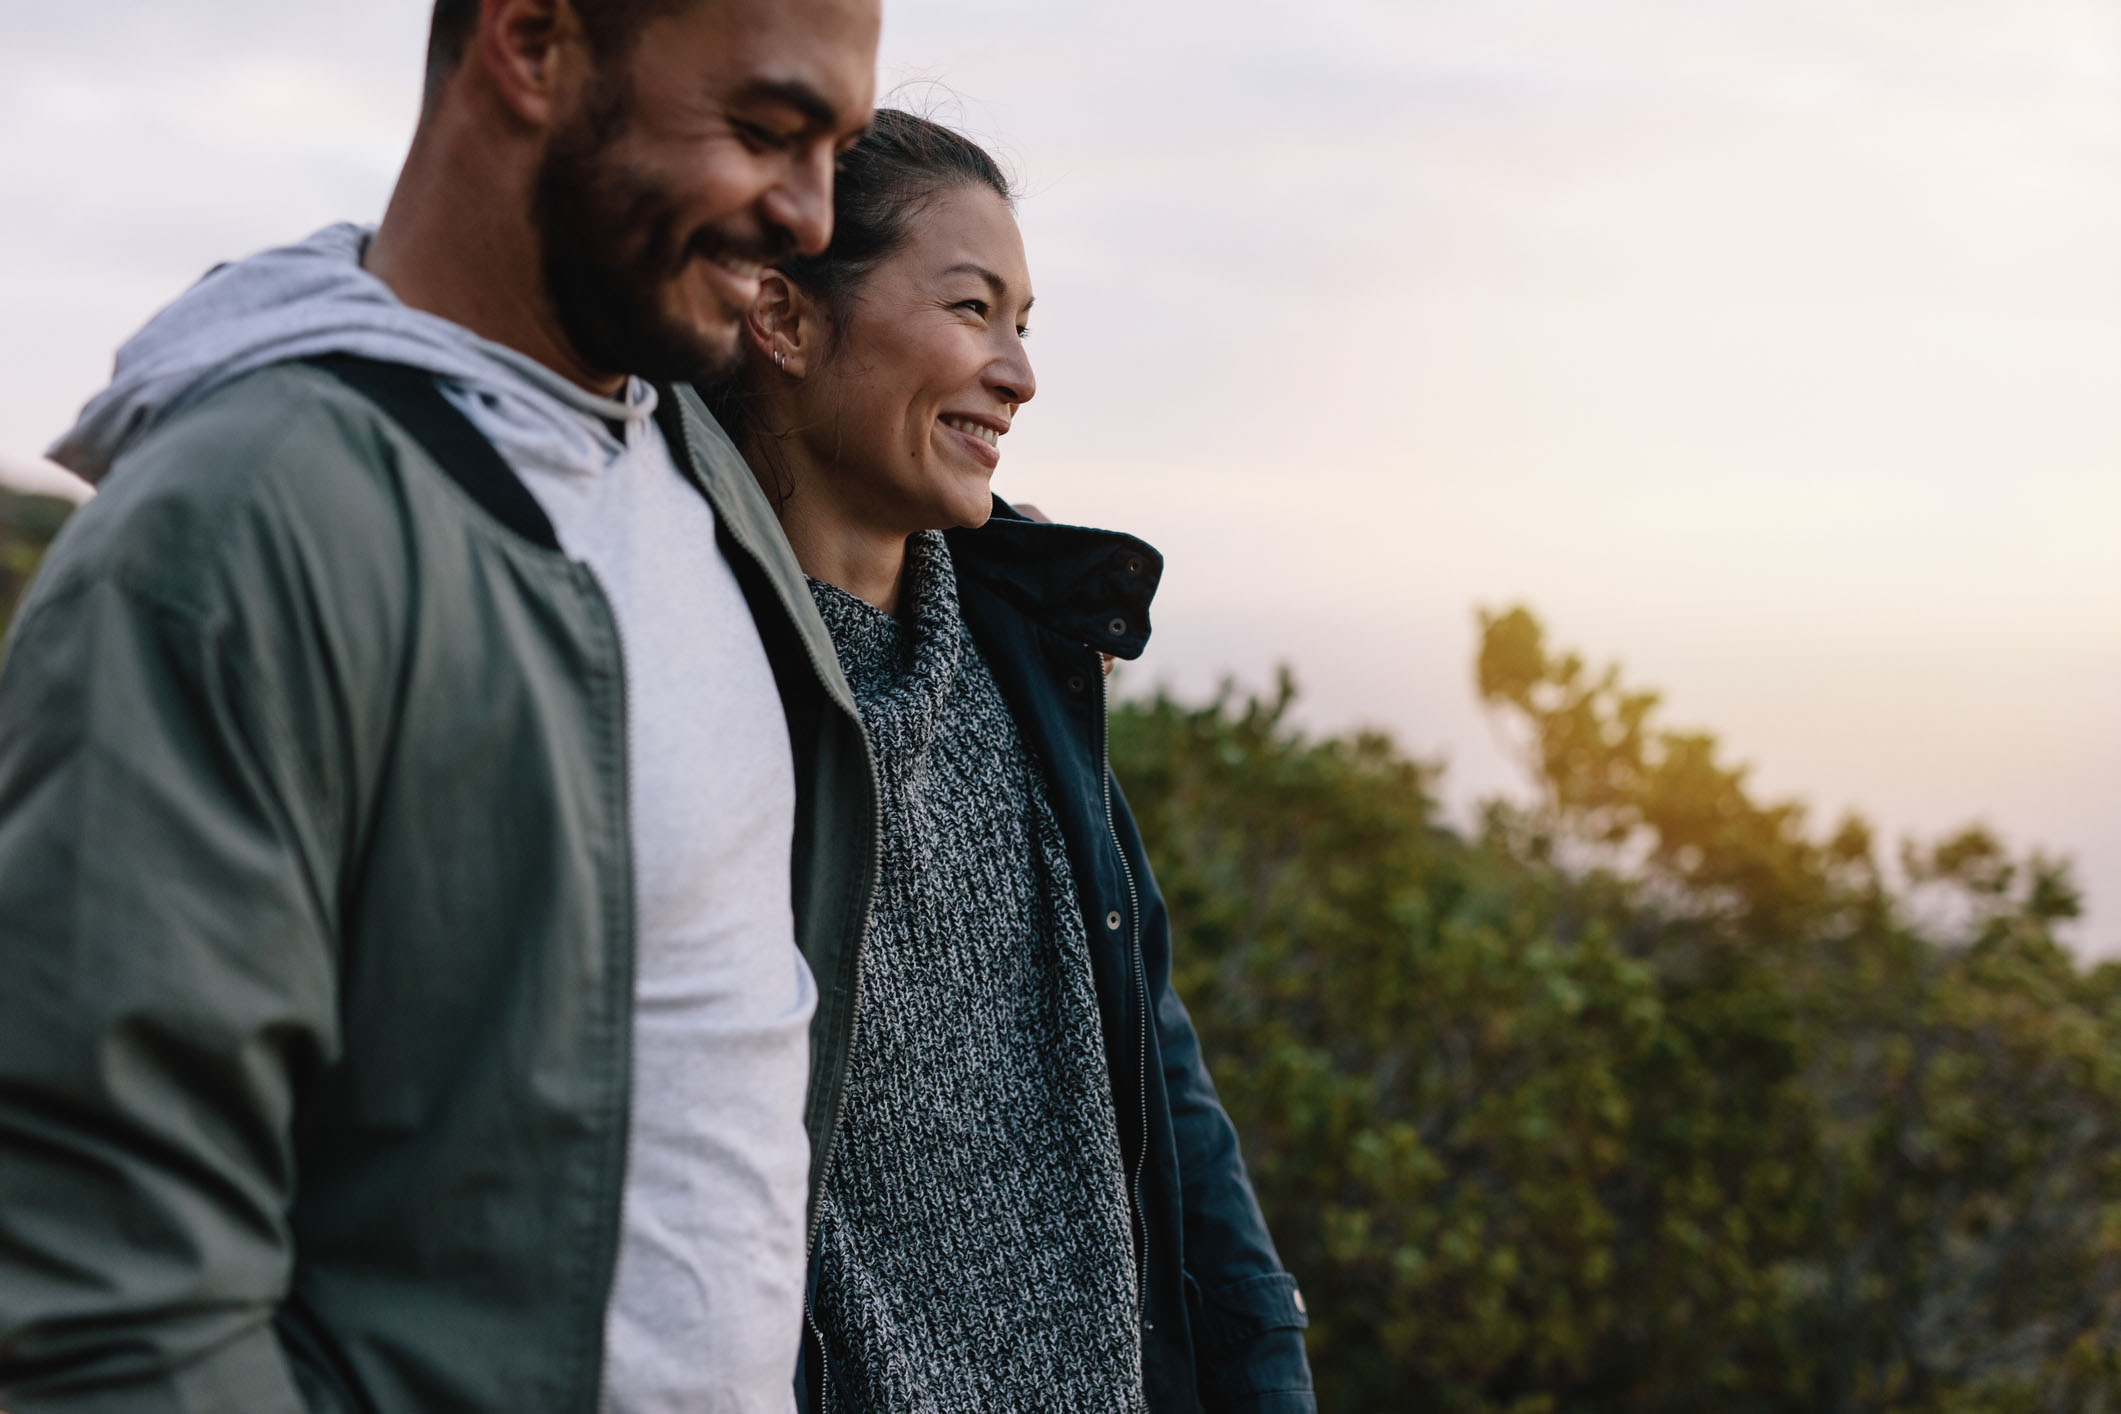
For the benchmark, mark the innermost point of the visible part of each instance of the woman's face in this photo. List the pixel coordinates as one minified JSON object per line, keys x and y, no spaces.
{"x":929,"y":371}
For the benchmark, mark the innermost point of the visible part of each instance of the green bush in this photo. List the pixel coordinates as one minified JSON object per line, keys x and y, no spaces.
{"x":1644,"y":1095}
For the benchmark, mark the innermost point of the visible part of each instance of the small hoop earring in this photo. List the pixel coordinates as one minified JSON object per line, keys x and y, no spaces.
{"x":780,"y":360}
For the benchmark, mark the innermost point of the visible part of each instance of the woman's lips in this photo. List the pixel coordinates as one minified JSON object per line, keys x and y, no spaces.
{"x":977,"y":440}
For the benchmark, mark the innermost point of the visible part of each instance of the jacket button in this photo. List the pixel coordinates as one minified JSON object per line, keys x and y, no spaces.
{"x":1301,"y":1309}
{"x":1113,"y":920}
{"x":1076,"y":683}
{"x":1118,"y":628}
{"x":1134,"y":564}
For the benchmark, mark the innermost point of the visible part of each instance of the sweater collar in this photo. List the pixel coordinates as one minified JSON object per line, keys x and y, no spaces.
{"x":901,"y":667}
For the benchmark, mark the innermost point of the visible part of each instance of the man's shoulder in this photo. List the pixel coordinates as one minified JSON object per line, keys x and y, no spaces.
{"x":282,"y":467}
{"x":259,"y":428}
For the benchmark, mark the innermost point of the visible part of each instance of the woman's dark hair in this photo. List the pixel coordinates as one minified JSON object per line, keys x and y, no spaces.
{"x":895,"y":169}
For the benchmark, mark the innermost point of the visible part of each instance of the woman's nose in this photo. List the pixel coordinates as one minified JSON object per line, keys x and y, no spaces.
{"x":1012,"y":378}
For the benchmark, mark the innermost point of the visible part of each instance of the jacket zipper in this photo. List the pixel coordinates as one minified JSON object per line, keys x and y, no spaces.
{"x":1141,"y":982}
{"x":824,"y":1361}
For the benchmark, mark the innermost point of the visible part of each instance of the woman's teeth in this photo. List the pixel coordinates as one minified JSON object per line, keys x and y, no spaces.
{"x":742,"y":269}
{"x":974,"y":429}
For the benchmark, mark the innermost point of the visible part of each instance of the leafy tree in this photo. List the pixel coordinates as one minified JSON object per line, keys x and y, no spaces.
{"x":1642,"y":1095}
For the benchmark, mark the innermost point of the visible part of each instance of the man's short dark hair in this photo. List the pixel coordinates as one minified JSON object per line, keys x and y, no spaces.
{"x":611,"y":26}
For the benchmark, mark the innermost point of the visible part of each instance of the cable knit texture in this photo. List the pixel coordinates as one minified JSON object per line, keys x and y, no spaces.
{"x":975,"y":1236}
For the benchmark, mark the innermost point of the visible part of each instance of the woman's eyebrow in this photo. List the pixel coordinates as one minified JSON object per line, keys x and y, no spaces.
{"x":995,"y":283}
{"x":972,"y":267}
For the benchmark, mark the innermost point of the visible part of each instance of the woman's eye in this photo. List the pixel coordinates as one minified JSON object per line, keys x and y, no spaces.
{"x":977,"y":306}
{"x":1023,"y":331}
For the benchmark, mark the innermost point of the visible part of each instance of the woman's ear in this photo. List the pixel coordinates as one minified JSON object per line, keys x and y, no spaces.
{"x":784,"y":325}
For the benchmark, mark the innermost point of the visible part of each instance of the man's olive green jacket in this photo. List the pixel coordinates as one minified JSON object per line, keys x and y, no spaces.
{"x":300,"y":747}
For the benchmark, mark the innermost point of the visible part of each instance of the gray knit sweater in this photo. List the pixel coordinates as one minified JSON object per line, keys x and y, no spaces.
{"x":975,"y":1239}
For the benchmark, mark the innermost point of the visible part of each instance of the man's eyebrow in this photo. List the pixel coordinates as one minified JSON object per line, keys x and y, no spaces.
{"x":817,"y":110}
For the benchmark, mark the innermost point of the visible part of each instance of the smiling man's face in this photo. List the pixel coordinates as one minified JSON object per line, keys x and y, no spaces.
{"x":691,"y":162}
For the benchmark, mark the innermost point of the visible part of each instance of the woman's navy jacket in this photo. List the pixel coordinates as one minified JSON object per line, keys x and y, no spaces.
{"x":1222,"y":1322}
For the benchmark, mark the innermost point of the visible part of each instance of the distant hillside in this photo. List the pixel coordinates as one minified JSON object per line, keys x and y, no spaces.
{"x":34,"y":476}
{"x":27,"y":525}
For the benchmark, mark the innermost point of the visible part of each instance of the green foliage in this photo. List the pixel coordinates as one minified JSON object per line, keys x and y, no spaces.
{"x":27,"y":525}
{"x":1645,"y":1095}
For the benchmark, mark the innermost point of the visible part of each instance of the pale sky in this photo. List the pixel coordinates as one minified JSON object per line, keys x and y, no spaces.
{"x":1773,"y":348}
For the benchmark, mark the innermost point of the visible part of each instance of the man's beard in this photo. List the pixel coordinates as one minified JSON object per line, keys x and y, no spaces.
{"x":610,"y":244}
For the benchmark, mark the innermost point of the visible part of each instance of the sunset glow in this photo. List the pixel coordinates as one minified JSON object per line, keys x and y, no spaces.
{"x":1774,"y":350}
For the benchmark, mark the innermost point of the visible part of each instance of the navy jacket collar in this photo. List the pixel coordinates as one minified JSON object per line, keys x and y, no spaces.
{"x":1088,"y":586}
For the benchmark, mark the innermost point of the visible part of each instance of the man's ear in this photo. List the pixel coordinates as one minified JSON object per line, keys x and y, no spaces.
{"x":532,"y":54}
{"x":785,"y":325}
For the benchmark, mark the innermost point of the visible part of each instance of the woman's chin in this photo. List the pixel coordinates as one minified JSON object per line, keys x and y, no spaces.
{"x":955,"y":512}
{"x":968,"y":502}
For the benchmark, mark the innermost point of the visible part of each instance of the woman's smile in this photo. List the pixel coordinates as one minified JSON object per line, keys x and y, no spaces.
{"x":979,"y":436}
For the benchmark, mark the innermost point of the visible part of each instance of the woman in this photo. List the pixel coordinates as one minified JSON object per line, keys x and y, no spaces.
{"x":1034,"y":1200}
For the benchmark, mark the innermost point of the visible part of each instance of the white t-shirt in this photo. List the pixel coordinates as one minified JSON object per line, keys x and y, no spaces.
{"x":706,"y":1310}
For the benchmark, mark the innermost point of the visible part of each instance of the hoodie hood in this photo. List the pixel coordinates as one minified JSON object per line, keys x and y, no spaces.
{"x":313,"y":298}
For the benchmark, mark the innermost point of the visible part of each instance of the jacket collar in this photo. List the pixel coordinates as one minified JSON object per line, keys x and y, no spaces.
{"x":1089,"y":586}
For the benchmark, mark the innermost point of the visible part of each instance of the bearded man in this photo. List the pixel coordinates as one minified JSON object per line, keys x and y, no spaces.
{"x":407,"y":994}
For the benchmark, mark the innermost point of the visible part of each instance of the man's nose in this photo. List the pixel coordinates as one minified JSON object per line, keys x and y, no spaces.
{"x":801,"y":204}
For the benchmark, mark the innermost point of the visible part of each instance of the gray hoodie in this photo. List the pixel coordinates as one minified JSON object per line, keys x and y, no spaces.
{"x":706,"y":1308}
{"x":313,"y":298}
